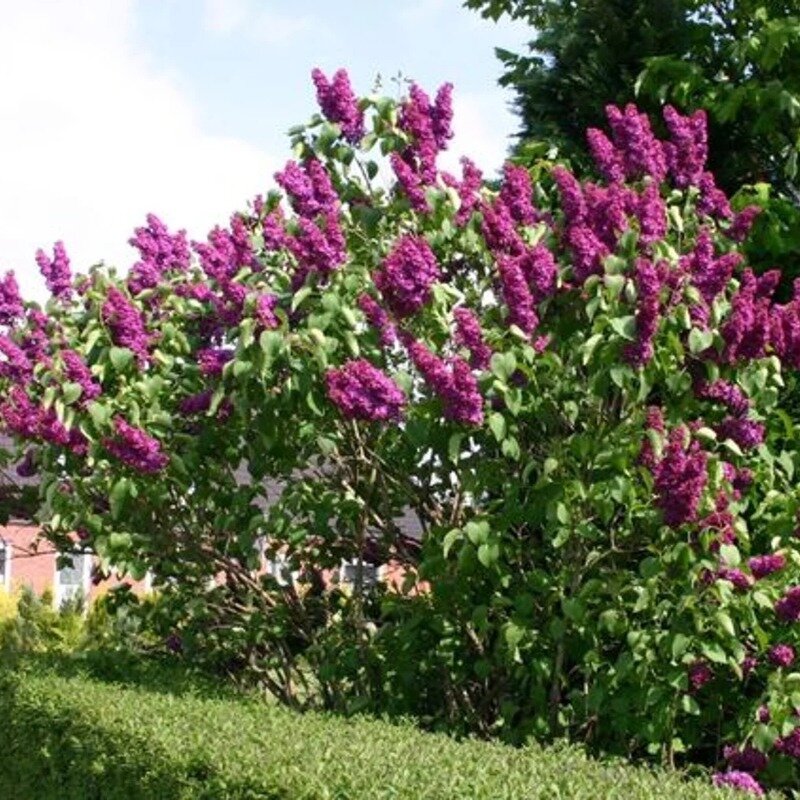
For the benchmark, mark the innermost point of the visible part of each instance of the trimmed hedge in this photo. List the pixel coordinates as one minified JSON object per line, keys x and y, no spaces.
{"x":76,"y":738}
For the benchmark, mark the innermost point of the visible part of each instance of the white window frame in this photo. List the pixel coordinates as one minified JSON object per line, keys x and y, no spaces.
{"x":59,"y":593}
{"x":5,"y":576}
{"x":371,"y":575}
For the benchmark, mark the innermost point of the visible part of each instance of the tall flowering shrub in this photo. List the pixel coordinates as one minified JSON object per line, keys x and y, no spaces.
{"x":571,"y":384}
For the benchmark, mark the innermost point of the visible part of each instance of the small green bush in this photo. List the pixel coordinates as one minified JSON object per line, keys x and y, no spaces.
{"x":73,"y":737}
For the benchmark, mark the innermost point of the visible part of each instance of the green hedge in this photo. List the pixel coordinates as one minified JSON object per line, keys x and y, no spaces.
{"x":77,"y":738}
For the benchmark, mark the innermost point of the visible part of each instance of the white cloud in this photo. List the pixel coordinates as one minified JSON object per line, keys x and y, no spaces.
{"x":249,"y":18}
{"x":479,"y":118}
{"x":224,"y":16}
{"x":92,"y":137}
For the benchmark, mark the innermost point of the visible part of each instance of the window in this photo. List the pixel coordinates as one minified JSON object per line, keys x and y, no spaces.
{"x":370,"y":573}
{"x":5,"y":565}
{"x":73,"y":579}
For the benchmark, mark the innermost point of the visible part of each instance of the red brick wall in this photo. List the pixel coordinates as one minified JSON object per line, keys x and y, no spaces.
{"x":33,"y":561}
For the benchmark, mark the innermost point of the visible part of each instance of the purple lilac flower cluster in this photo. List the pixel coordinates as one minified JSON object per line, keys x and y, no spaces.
{"x":743,"y":781}
{"x":14,"y":363}
{"x":339,"y":104}
{"x":361,"y":391}
{"x":468,"y":189}
{"x":517,"y":295}
{"x":790,"y":745}
{"x":126,"y":324}
{"x":136,"y":448}
{"x":747,"y":433}
{"x":319,"y":246}
{"x":781,"y":655}
{"x":516,"y":193}
{"x":308,"y":187}
{"x":687,"y":150}
{"x":700,"y":673}
{"x":742,"y":223}
{"x":739,"y":579}
{"x":787,"y":608}
{"x":726,"y":393}
{"x":428,"y":126}
{"x":407,"y":274}
{"x":56,"y":271}
{"x":211,"y":360}
{"x":76,"y":371}
{"x":11,"y":307}
{"x":761,"y":566}
{"x":639,"y":151}
{"x":707,"y":272}
{"x":747,"y":329}
{"x":469,"y":335}
{"x":451,"y":380}
{"x":265,"y":306}
{"x":159,"y":252}
{"x":378,"y":319}
{"x":680,"y":478}
{"x":648,"y":287}
{"x":746,"y":759}
{"x":29,"y":421}
{"x":654,"y":421}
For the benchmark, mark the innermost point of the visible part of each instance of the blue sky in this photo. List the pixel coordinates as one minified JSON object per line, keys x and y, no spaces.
{"x":120,"y":107}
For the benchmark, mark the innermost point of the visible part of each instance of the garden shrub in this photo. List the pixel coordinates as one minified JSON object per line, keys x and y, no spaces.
{"x":572,"y":384}
{"x":76,"y":738}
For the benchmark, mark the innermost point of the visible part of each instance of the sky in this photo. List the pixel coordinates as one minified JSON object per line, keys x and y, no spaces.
{"x":110,"y":109}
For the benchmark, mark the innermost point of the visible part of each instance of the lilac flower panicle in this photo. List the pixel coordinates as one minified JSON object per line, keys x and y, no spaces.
{"x":136,"y":448}
{"x":417,"y":121}
{"x":747,"y":433}
{"x":572,"y":199}
{"x":648,"y":288}
{"x":742,"y":223}
{"x":211,"y":360}
{"x":726,"y":393}
{"x":309,"y":187}
{"x":318,"y":246}
{"x":607,"y":158}
{"x":125,"y":324}
{"x":517,"y":295}
{"x":378,"y":319}
{"x":265,"y":311}
{"x":196,"y":403}
{"x":77,"y":372}
{"x":745,"y":759}
{"x":363,"y":392}
{"x":159,"y":252}
{"x":761,"y":566}
{"x":56,"y":271}
{"x":642,"y":153}
{"x":452,"y":381}
{"x":468,"y":191}
{"x":787,"y":608}
{"x":339,"y":104}
{"x":498,"y":229}
{"x":516,"y":194}
{"x":700,"y":673}
{"x":790,"y":745}
{"x":410,"y":183}
{"x":407,"y":274}
{"x":680,"y":479}
{"x":14,"y":362}
{"x":712,"y":202}
{"x":651,"y":211}
{"x":442,"y":115}
{"x":739,"y":579}
{"x":11,"y":306}
{"x":689,"y":150}
{"x":469,"y":335}
{"x":540,"y":270}
{"x":743,"y":781}
{"x":781,"y":655}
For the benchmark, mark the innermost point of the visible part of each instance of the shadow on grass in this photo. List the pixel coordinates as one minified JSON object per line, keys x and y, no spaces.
{"x":154,"y":673}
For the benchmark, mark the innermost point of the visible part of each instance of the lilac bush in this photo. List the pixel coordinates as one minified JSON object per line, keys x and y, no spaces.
{"x":570,"y":385}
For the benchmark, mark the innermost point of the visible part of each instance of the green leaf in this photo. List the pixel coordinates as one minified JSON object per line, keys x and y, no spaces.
{"x":713,"y":652}
{"x":488,"y":554}
{"x":70,"y":392}
{"x":625,"y":327}
{"x":725,"y":622}
{"x":680,"y":644}
{"x":497,"y":424}
{"x":700,"y":340}
{"x":477,"y":531}
{"x":451,"y":537}
{"x":118,"y":496}
{"x":503,"y":365}
{"x":120,"y":357}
